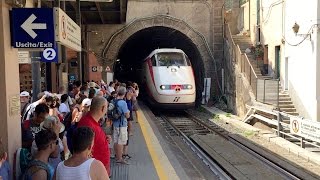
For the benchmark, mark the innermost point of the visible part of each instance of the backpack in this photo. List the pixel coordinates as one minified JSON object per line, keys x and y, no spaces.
{"x":22,"y":159}
{"x":67,"y":120}
{"x":113,"y":111}
{"x":25,"y":114}
{"x":24,"y":109}
{"x":69,"y":135}
{"x":33,"y":167}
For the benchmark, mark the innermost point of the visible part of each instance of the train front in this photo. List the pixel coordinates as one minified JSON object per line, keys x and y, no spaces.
{"x":174,"y":84}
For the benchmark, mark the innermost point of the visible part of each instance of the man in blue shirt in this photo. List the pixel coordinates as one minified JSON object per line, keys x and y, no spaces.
{"x":120,"y":126}
{"x":4,"y":165}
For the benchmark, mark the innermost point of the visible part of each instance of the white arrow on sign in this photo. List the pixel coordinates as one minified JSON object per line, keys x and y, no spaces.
{"x":29,"y":26}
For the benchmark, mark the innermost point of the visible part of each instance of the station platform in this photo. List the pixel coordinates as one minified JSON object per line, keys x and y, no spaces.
{"x":151,"y":159}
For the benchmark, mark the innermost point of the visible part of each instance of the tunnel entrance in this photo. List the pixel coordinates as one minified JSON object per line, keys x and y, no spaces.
{"x":139,"y":45}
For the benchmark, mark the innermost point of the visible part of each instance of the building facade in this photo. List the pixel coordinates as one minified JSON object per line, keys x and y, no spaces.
{"x":288,"y":31}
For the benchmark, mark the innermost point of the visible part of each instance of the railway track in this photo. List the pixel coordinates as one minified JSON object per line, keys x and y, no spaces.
{"x":186,"y":125}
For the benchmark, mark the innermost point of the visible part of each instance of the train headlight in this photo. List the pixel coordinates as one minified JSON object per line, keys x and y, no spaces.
{"x":189,"y":86}
{"x":173,"y":70}
{"x":163,"y":87}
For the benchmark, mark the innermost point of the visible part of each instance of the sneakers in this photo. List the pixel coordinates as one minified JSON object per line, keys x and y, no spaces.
{"x":126,"y":156}
{"x":122,"y":162}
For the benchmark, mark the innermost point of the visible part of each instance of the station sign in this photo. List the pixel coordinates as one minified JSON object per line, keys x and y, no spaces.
{"x":72,"y":77}
{"x":94,"y":69}
{"x":305,"y":128}
{"x":32,"y":28}
{"x":49,"y":55}
{"x":67,"y":32}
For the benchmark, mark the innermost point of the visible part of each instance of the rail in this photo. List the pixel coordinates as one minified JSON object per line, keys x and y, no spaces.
{"x":254,"y":152}
{"x":214,"y":167}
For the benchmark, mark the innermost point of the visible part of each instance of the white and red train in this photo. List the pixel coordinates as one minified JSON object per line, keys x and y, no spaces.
{"x":168,"y":79}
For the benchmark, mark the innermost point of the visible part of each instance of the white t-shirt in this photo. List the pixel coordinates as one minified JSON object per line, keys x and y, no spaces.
{"x":30,"y":109}
{"x":111,"y":89}
{"x":63,"y":108}
{"x":81,"y":172}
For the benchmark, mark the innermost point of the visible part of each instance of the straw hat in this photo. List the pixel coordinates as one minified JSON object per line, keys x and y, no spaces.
{"x":48,"y":123}
{"x":92,"y":85}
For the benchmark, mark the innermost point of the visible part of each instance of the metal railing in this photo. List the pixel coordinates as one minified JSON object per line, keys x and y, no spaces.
{"x":265,"y":90}
{"x":268,"y":91}
{"x":281,"y":126}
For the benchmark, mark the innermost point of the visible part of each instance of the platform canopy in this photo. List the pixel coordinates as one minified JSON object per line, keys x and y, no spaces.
{"x":95,"y":11}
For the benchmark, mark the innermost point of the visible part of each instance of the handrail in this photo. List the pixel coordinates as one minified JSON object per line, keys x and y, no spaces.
{"x":248,"y":70}
{"x":229,"y":32}
{"x":250,"y":65}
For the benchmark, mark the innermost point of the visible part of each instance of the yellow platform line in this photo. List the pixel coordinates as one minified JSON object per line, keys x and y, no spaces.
{"x":159,"y":159}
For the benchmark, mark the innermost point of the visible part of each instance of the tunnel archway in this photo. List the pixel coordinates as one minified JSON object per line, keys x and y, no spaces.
{"x":142,"y":43}
{"x":135,"y":41}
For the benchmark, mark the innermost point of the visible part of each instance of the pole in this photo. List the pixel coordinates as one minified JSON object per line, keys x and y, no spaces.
{"x":64,"y":65}
{"x":279,"y":128}
{"x":78,"y":19}
{"x":35,"y":72}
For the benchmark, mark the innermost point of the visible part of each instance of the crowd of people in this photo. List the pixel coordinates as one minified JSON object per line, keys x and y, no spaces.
{"x":73,"y":135}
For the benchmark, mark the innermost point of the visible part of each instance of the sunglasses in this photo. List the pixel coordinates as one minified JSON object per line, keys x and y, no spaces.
{"x":57,"y":142}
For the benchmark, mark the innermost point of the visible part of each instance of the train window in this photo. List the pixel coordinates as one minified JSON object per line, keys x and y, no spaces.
{"x":188,"y":60}
{"x":153,"y":60}
{"x":171,"y":59}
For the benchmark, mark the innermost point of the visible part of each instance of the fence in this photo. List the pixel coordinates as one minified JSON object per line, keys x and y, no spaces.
{"x":268,"y":91}
{"x":282,"y":127}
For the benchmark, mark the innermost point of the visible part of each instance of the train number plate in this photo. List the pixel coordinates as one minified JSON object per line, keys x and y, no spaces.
{"x":176,"y":99}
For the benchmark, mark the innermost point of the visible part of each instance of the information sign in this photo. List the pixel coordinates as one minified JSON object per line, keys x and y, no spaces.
{"x":305,"y":128}
{"x":24,"y":57}
{"x":94,"y":69}
{"x":49,"y":55}
{"x":67,"y":32}
{"x":32,"y":28}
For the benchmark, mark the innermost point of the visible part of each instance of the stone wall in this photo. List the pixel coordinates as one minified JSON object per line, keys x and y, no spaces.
{"x":201,"y":21}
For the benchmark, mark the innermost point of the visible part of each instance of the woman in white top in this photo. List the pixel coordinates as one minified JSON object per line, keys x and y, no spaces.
{"x":81,"y":166}
{"x":111,"y":87}
{"x":64,"y":106}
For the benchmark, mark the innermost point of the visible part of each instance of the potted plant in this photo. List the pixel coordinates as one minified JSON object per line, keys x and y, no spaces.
{"x":259,"y":52}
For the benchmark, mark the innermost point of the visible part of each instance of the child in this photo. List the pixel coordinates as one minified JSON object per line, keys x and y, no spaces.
{"x":4,"y":164}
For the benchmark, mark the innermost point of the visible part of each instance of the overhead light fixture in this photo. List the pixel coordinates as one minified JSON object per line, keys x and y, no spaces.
{"x":296,"y":28}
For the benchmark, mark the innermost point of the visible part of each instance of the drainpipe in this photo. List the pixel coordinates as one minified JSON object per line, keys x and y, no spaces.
{"x":210,"y":8}
{"x":249,"y":16}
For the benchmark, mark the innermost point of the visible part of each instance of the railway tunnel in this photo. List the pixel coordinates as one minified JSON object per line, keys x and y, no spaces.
{"x":139,"y":45}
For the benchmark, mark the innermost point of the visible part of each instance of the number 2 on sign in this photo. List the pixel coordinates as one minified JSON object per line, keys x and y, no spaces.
{"x":49,"y":54}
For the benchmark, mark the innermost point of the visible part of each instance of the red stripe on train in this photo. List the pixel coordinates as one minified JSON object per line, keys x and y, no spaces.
{"x":150,"y":70}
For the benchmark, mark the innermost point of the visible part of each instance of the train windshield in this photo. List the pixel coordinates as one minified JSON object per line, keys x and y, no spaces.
{"x":171,"y":59}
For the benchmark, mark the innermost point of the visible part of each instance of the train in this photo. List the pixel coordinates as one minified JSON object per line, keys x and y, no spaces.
{"x":168,"y":79}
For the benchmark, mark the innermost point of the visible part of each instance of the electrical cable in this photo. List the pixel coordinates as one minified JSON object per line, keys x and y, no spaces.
{"x":290,"y":44}
{"x":269,"y":10}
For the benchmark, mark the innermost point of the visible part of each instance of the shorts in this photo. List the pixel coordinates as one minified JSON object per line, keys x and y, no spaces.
{"x":120,"y":135}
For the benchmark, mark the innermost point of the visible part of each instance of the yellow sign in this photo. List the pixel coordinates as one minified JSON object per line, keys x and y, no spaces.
{"x":14,"y":105}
